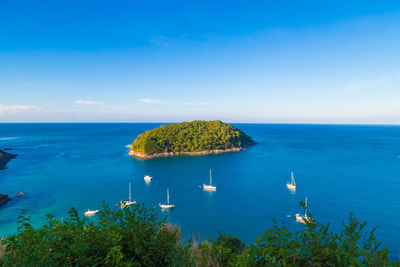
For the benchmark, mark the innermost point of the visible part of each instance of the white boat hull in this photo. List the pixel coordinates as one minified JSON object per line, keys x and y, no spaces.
{"x":148,"y":179}
{"x":302,"y":218}
{"x":90,"y":212}
{"x":209,"y":188}
{"x":124,"y":204}
{"x":166,"y":206}
{"x":291,"y":187}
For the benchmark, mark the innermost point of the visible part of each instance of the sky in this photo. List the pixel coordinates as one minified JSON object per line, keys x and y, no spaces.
{"x":169,"y":61}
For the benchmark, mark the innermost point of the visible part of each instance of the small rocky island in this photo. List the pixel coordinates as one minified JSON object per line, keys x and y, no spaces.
{"x":189,"y":138}
{"x":4,"y":158}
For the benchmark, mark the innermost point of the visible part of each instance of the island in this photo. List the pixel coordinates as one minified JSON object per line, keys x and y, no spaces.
{"x":189,"y":138}
{"x":4,"y":158}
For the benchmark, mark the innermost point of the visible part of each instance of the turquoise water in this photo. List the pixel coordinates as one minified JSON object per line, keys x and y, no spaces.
{"x":340,"y":169}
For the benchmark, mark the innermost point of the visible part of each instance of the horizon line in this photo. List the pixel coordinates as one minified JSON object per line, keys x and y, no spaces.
{"x":171,"y":122}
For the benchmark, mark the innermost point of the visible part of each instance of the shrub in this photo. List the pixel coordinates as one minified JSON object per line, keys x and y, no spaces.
{"x":128,"y":237}
{"x":138,"y":237}
{"x":316,"y":245}
{"x":220,"y":252}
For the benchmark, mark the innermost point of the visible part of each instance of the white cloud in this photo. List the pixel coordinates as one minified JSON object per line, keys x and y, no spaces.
{"x":197,"y":103}
{"x":151,"y":101}
{"x":87,"y":102}
{"x":16,"y":108}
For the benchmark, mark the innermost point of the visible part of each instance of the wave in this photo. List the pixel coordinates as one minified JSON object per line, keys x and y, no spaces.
{"x":7,"y":138}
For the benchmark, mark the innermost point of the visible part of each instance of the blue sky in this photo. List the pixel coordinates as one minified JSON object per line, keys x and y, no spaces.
{"x":238,"y":61}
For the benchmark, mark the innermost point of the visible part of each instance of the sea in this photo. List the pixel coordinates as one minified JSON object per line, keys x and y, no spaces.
{"x":341,"y":169}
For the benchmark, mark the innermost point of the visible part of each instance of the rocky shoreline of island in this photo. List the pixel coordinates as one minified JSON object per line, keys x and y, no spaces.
{"x":5,"y":158}
{"x":171,"y":154}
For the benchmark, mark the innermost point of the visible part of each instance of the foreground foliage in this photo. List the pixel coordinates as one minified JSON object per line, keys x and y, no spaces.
{"x":316,"y":245}
{"x":191,"y":137}
{"x":138,"y":237}
{"x":126,"y":237}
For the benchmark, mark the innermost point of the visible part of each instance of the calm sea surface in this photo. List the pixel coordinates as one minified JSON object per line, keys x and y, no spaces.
{"x":341,"y":169}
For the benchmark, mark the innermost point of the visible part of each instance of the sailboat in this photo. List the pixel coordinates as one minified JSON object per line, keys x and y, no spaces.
{"x":301,"y":218}
{"x":292,"y":185}
{"x":90,"y":212}
{"x":148,"y":179}
{"x":209,"y":187}
{"x":129,"y":202}
{"x":166,"y":206}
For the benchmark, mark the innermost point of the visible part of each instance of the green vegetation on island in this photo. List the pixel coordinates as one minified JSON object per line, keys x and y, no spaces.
{"x":139,"y":237}
{"x":190,"y":137}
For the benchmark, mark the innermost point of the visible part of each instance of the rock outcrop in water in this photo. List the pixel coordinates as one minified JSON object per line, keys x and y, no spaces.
{"x":4,"y":158}
{"x":3,"y":199}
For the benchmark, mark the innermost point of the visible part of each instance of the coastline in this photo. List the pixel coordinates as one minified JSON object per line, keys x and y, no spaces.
{"x":5,"y":158}
{"x":171,"y":154}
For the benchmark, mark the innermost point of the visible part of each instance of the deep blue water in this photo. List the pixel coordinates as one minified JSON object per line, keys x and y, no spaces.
{"x":340,"y":169}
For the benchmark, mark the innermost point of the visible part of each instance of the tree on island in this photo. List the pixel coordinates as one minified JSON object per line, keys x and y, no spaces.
{"x":195,"y":136}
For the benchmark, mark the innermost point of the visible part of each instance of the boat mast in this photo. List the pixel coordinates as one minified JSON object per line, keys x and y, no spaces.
{"x":305,"y":212}
{"x":168,"y":196}
{"x":293,"y":182}
{"x":129,"y":192}
{"x":210,"y":178}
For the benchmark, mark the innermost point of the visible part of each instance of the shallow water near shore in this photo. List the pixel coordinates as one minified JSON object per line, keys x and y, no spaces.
{"x":340,"y":169}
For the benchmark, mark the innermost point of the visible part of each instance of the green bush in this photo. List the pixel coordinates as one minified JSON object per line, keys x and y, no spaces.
{"x":192,"y":136}
{"x":316,"y":245}
{"x":129,"y":237}
{"x":224,"y":251}
{"x":138,"y":237}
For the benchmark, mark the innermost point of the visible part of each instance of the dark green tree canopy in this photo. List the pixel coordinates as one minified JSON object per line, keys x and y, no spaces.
{"x":192,"y":136}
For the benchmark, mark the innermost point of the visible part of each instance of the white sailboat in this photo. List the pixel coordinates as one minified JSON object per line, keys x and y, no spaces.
{"x":209,"y":187}
{"x":302,"y":217}
{"x":166,"y":206}
{"x":129,"y":202}
{"x":292,"y":185}
{"x":148,"y":179}
{"x":90,"y":212}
